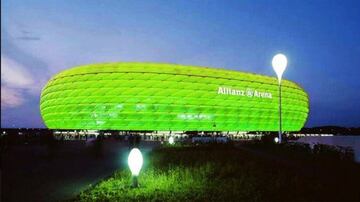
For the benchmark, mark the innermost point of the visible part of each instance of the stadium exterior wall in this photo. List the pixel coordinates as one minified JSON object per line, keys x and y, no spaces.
{"x":168,"y":97}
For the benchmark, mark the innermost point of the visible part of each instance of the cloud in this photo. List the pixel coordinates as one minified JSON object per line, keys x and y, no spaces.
{"x":10,"y":98}
{"x":28,"y":38}
{"x":15,"y":81}
{"x":14,"y":74}
{"x":25,"y":32}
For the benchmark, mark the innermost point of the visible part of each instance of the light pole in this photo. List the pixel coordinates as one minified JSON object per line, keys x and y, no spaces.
{"x":279,"y":63}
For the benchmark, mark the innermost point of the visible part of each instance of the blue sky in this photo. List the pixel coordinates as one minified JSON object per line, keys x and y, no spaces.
{"x":320,"y":38}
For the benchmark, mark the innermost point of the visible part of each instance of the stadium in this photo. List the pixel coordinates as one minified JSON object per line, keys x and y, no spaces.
{"x":169,"y":97}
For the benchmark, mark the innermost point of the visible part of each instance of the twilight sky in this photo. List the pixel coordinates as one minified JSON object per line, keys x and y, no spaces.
{"x":320,"y":38}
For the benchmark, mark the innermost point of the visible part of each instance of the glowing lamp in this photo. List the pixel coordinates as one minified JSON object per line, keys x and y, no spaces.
{"x":171,"y":140}
{"x":276,"y":140}
{"x":279,"y":63}
{"x":135,"y":161}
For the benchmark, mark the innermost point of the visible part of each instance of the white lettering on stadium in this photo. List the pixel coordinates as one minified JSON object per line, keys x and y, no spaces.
{"x":248,"y":92}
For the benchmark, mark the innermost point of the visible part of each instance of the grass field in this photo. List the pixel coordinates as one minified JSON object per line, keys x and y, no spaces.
{"x":250,"y":172}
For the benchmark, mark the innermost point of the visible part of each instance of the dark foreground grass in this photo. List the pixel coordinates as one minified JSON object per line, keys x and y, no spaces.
{"x":232,"y":173}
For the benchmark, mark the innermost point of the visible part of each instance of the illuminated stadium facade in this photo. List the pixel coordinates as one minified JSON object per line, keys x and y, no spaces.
{"x":169,"y":97}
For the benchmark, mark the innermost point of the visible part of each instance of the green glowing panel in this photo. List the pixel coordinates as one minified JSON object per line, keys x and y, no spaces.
{"x":150,"y":96}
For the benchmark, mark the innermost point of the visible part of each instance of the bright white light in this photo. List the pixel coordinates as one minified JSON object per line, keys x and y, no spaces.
{"x":279,"y":63}
{"x":135,"y":161}
{"x":171,"y":140}
{"x":276,"y":140}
